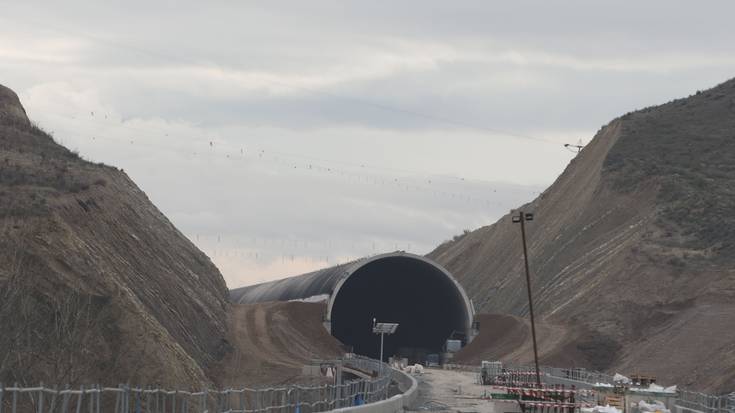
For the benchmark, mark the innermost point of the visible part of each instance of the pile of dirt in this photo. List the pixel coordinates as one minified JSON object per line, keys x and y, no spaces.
{"x":508,"y":338}
{"x":96,"y":285}
{"x":631,"y":249}
{"x":500,"y":336}
{"x":272,"y":341}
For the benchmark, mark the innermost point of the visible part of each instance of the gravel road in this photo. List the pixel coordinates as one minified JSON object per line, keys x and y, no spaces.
{"x":451,"y":391}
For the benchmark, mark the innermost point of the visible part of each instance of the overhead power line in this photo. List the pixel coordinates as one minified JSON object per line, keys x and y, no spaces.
{"x":418,"y":182}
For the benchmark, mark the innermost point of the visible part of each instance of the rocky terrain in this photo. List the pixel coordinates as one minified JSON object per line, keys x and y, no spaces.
{"x":97,"y":286}
{"x":631,"y":248}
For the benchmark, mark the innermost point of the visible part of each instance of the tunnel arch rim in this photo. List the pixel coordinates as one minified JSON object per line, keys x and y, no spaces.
{"x":354,"y":269}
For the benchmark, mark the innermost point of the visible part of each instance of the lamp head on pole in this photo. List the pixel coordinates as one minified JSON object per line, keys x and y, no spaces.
{"x":517,"y":218}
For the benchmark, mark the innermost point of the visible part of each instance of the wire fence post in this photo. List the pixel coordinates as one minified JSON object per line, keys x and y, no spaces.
{"x":15,"y":399}
{"x":147,"y":398}
{"x":157,"y":402}
{"x":91,"y":399}
{"x":39,"y":407}
{"x":125,"y":399}
{"x":204,"y":401}
{"x":297,"y":402}
{"x":117,"y":400}
{"x":80,"y":399}
{"x":66,"y":400}
{"x":99,"y":398}
{"x":138,"y":400}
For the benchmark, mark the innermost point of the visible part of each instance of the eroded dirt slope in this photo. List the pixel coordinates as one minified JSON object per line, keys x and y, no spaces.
{"x":508,"y":338}
{"x":272,"y":341}
{"x":96,"y":285}
{"x":631,"y":247}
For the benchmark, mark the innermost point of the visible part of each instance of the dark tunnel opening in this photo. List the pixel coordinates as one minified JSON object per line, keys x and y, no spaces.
{"x":416,"y":294}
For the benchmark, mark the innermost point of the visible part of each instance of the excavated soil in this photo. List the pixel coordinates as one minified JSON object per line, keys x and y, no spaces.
{"x":270,"y":342}
{"x":507,"y":338}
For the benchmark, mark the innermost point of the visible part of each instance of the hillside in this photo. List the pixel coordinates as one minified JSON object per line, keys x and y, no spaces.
{"x":631,"y":248}
{"x":96,"y":285}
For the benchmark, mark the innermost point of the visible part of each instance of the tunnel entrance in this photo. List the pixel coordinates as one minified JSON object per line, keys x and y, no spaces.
{"x":422,"y":297}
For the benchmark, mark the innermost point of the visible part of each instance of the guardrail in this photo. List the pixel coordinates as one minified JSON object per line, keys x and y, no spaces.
{"x":126,"y":399}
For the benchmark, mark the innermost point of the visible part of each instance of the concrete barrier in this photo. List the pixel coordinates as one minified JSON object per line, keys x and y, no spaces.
{"x":408,"y":385}
{"x":409,"y":392}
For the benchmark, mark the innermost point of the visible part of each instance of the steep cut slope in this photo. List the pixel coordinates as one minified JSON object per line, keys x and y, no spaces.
{"x":632,"y":246}
{"x":96,"y":285}
{"x":271,"y":342}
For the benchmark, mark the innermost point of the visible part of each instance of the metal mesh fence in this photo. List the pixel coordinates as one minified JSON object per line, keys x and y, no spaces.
{"x":126,"y":399}
{"x":577,"y":374}
{"x":706,"y":403}
{"x":697,"y":401}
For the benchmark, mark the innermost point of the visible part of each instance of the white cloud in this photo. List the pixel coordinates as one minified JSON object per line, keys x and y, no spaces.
{"x":415,"y":92}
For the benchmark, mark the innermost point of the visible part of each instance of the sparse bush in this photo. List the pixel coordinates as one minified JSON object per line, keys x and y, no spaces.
{"x":460,"y":236}
{"x":684,"y":150}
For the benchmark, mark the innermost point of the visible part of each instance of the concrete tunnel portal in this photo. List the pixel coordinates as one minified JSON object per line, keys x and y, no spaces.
{"x":427,"y":302}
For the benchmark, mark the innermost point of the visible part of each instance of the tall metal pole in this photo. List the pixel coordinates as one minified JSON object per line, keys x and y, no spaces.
{"x":530,"y":298}
{"x":381,"y":346}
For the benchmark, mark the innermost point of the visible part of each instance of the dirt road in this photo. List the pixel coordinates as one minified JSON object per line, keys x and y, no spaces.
{"x":270,"y":342}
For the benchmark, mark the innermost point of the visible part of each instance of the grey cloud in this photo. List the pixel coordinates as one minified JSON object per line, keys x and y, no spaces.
{"x":414,"y":90}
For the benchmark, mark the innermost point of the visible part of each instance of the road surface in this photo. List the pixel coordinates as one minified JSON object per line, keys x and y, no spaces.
{"x":451,"y":391}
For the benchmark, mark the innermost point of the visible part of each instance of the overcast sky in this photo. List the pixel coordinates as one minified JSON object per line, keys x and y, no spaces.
{"x":282,"y":137}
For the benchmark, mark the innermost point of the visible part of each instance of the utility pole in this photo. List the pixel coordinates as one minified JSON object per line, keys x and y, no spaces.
{"x":574,"y":148}
{"x":522,"y":218}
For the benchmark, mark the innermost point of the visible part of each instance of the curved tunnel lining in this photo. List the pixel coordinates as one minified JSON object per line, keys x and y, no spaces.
{"x":421,"y":296}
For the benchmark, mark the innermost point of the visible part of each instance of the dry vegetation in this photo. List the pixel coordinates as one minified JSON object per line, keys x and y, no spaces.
{"x":687,"y":146}
{"x":95,"y":284}
{"x":632,"y":247}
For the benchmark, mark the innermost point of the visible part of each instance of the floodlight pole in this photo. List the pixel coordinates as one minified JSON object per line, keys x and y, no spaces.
{"x":383,"y":329}
{"x":522,"y":218}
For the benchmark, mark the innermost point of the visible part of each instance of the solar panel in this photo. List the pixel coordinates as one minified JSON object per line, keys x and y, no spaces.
{"x":385,"y":328}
